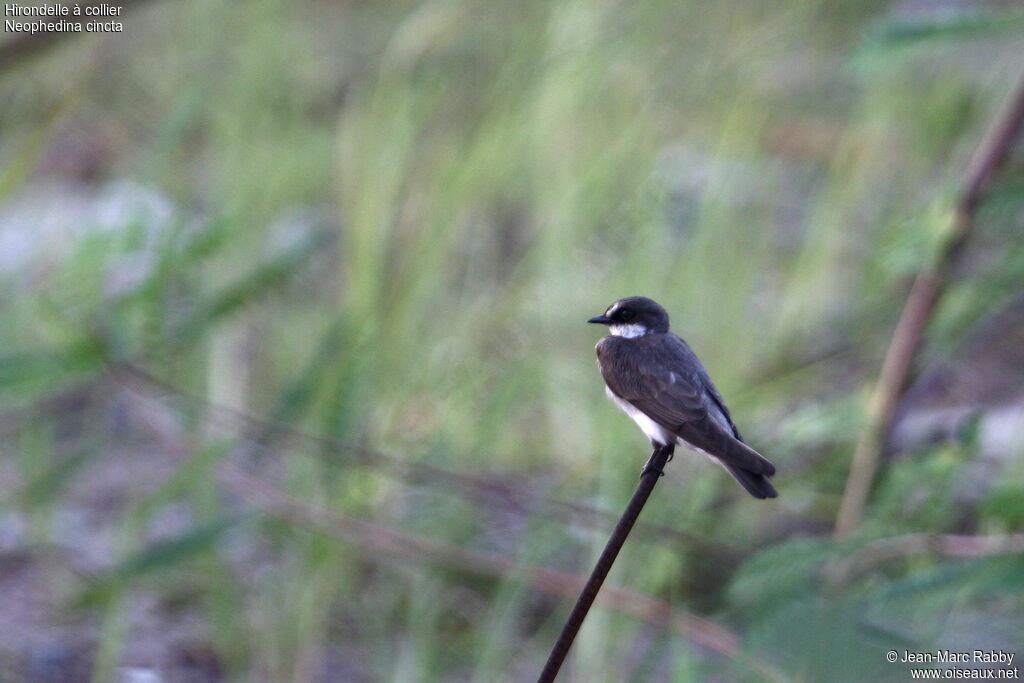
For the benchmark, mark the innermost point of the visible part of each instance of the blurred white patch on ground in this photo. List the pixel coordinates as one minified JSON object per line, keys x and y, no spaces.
{"x":40,"y":227}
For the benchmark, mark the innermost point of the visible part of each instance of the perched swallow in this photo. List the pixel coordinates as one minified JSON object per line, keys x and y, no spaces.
{"x":657,"y":379}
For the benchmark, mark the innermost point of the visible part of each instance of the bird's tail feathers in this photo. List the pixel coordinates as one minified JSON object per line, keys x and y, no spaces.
{"x":744,"y":457}
{"x":756,"y":484}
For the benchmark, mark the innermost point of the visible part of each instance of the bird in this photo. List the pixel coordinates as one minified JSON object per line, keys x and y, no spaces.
{"x":658,"y":381}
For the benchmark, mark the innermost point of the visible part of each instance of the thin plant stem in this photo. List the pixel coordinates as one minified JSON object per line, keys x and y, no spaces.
{"x":651,"y":473}
{"x":917,"y":312}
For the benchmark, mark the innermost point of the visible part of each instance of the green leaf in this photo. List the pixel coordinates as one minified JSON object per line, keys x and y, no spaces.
{"x":903,"y":30}
{"x":48,"y":485}
{"x":781,"y":572}
{"x":157,"y":556}
{"x":185,"y":249}
{"x":1007,"y":505}
{"x":35,"y":367}
{"x":251,"y":287}
{"x":989,"y":575}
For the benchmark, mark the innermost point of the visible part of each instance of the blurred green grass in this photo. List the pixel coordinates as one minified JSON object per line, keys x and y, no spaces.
{"x":492,"y":174}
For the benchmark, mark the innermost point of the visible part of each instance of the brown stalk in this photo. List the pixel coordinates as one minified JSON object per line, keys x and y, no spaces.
{"x":489,"y":491}
{"x":921,"y":303}
{"x":378,"y":539}
{"x":943,"y":545}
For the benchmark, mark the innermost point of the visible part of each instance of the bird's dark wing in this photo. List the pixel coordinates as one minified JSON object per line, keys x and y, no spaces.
{"x":719,"y":403}
{"x":664,"y":379}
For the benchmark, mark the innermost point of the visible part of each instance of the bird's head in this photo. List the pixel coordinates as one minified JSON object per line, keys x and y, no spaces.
{"x":635,"y":316}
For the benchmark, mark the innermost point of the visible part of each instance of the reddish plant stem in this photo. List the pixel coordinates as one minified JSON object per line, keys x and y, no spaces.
{"x":921,"y":304}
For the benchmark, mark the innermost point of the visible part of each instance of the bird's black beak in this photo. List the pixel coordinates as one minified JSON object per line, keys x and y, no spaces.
{"x":601,"y":320}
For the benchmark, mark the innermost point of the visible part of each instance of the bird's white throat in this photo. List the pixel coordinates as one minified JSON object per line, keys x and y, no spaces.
{"x":628,"y":331}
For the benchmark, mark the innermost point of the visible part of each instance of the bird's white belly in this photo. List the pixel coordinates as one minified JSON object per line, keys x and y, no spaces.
{"x":653,"y":430}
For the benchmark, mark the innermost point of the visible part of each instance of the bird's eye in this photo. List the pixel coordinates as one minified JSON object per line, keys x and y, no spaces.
{"x":626,"y":314}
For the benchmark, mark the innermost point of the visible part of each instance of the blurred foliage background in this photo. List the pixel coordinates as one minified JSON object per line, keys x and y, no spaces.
{"x":295,"y":383}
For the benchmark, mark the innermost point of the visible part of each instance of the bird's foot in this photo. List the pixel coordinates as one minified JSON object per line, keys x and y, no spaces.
{"x":651,"y":468}
{"x":671,"y":448}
